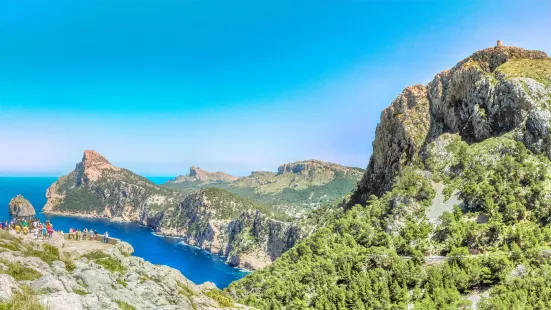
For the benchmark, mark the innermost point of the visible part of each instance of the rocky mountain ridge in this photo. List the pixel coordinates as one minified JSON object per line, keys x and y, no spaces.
{"x":294,"y":189}
{"x":487,"y":94}
{"x":248,"y":234}
{"x":460,"y":170}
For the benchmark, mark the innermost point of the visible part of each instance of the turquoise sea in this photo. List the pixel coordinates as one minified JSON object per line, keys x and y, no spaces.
{"x":195,"y":264}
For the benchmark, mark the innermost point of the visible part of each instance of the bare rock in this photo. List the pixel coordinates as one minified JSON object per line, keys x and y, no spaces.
{"x":8,"y":287}
{"x":21,"y":207}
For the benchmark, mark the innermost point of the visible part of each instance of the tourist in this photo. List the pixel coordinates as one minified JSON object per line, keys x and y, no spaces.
{"x":43,"y":232}
{"x":50,"y":230}
{"x":77,"y":234}
{"x":85,"y":233}
{"x":106,"y":237}
{"x":92,"y":235}
{"x":35,"y":234}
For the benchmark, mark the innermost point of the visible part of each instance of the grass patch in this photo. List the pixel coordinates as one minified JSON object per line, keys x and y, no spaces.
{"x":80,"y":292}
{"x":184,"y":290}
{"x":536,"y":69}
{"x":111,"y":264}
{"x":69,"y":265}
{"x":124,"y":305}
{"x":24,"y":300}
{"x":95,"y":255}
{"x":48,"y":255}
{"x":105,"y":260}
{"x":122,"y":282}
{"x":20,"y":272}
{"x":223,"y":298}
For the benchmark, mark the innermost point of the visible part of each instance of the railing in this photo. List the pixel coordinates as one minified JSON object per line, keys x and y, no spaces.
{"x":97,"y":238}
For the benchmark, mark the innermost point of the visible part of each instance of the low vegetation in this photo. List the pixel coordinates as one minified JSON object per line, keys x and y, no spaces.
{"x":536,"y":69}
{"x":373,"y":256}
{"x":124,"y":305}
{"x":25,"y":299}
{"x":223,"y":298}
{"x":19,"y":272}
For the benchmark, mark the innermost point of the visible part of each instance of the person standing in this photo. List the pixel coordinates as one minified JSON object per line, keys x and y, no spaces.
{"x":106,"y":237}
{"x":50,"y":230}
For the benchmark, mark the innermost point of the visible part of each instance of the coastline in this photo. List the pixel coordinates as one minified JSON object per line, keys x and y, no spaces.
{"x":159,"y":234}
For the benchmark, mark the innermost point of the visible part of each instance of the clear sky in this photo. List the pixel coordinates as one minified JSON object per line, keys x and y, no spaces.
{"x":157,"y":86}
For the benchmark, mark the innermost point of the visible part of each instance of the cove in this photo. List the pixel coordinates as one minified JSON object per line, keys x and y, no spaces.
{"x":195,"y":264}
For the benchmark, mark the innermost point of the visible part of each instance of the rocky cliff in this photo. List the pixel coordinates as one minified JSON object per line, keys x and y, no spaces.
{"x":223,"y":223}
{"x":45,"y":275}
{"x":495,"y":91}
{"x":21,"y":207}
{"x":96,"y":188}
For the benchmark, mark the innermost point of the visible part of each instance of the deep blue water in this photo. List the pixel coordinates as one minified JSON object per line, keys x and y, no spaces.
{"x":195,"y":264}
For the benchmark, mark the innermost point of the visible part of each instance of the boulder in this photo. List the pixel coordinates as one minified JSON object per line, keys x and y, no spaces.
{"x":21,"y":207}
{"x":48,"y":284}
{"x":8,"y":286}
{"x":61,"y":301}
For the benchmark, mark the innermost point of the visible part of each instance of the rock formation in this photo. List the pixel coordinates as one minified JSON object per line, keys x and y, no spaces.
{"x":96,"y":188}
{"x":21,"y":207}
{"x":204,"y":176}
{"x":497,"y":90}
{"x":222,"y":223}
{"x":110,"y":279}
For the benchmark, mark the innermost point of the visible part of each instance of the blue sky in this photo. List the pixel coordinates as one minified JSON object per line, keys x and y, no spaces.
{"x":157,"y":86}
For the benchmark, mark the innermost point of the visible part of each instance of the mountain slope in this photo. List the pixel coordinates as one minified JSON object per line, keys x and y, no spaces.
{"x":294,"y":189}
{"x":479,"y":135}
{"x":97,"y":188}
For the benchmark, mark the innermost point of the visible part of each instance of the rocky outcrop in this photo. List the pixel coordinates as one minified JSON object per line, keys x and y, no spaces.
{"x":222,"y":223}
{"x":197,"y":174}
{"x":21,"y":207}
{"x":89,"y":282}
{"x":495,"y":91}
{"x":96,"y":188}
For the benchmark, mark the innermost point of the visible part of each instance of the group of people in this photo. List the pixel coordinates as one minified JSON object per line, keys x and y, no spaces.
{"x":85,"y":234}
{"x":26,"y":226}
{"x":46,"y":230}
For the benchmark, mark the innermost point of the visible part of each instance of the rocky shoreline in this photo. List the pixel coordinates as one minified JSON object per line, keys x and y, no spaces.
{"x":56,"y":275}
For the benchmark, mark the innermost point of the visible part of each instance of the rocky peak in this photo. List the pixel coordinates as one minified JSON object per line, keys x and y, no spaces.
{"x":20,"y":206}
{"x":92,"y":166}
{"x":198,"y":174}
{"x":308,"y":166}
{"x":494,"y":91}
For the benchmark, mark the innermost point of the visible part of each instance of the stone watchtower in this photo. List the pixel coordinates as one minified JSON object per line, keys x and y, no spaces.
{"x":499,"y":43}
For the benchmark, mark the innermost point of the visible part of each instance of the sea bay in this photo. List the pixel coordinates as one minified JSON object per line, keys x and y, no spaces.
{"x":195,"y":264}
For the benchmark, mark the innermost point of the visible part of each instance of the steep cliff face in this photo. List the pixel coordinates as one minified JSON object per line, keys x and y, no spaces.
{"x":19,"y":206}
{"x":495,"y":91}
{"x":223,"y":223}
{"x":97,"y":188}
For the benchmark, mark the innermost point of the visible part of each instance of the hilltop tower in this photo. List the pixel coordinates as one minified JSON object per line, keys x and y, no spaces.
{"x":499,"y":43}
